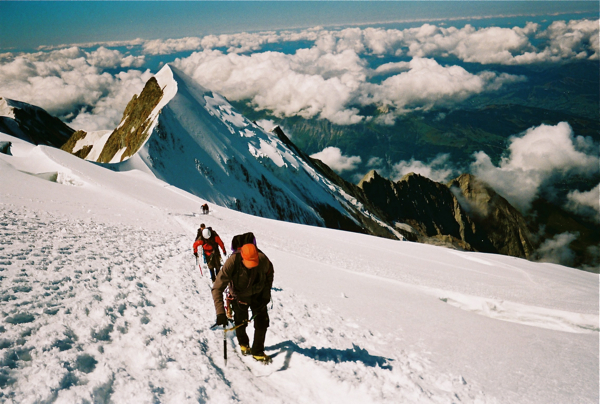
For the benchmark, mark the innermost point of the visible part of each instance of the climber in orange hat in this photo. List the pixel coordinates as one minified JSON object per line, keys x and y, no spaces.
{"x":249,"y":274}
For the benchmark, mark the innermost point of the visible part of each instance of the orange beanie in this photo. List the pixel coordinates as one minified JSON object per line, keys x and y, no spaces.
{"x":249,"y":255}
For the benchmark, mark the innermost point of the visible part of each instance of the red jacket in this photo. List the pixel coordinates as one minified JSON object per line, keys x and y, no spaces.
{"x":208,"y":250}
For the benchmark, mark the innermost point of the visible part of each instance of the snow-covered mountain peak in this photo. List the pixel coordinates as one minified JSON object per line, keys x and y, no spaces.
{"x":167,"y":84}
{"x":194,"y":139}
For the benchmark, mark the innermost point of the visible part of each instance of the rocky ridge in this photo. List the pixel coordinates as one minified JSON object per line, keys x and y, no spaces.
{"x":466,"y":214}
{"x":33,"y":124}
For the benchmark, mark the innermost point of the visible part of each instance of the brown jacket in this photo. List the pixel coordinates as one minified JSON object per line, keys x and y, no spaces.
{"x":247,"y":284}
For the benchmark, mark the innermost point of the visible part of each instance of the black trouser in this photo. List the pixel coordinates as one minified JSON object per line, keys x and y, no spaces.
{"x":261,"y":323}
{"x":213,"y":262}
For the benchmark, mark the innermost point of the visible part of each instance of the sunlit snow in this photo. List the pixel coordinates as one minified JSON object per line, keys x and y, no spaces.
{"x":102,"y":301}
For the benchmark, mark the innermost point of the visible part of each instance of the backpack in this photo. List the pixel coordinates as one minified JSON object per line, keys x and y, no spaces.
{"x":238,"y":241}
{"x":211,"y":241}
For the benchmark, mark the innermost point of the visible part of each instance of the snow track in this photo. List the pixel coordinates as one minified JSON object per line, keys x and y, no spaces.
{"x":105,"y":313}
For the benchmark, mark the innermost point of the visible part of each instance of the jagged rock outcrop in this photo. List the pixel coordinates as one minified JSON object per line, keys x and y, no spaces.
{"x":33,"y":124}
{"x":136,"y":125}
{"x":428,"y":207}
{"x":71,"y":144}
{"x":503,"y":225}
{"x":466,"y":213}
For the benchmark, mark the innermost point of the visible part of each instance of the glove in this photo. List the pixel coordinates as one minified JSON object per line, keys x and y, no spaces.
{"x":222,"y":320}
{"x":196,"y":254}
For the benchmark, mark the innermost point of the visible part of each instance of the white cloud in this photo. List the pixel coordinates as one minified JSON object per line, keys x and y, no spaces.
{"x":585,"y":203}
{"x":333,"y":157}
{"x":311,"y":83}
{"x":375,"y":162}
{"x":110,"y":58}
{"x":428,"y":84}
{"x":576,"y":39}
{"x":267,"y":124}
{"x":533,"y":158}
{"x":439,"y":169}
{"x":483,"y":45}
{"x":557,"y":249}
{"x":389,"y":68}
{"x":68,"y":81}
{"x":233,"y":43}
{"x":308,"y":83}
{"x":168,"y":46}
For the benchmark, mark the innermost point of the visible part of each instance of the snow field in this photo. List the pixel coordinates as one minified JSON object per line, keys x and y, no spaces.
{"x":101,"y":312}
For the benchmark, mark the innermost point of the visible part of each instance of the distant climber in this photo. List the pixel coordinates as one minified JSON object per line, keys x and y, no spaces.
{"x":199,"y":234}
{"x":205,"y":209}
{"x":249,"y":274}
{"x":210,"y":242}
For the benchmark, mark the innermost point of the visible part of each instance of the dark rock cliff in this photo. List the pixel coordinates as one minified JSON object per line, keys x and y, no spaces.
{"x":33,"y":124}
{"x":427,"y":206}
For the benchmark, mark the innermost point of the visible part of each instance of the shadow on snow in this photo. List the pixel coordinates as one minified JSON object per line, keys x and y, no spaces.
{"x":356,"y":354}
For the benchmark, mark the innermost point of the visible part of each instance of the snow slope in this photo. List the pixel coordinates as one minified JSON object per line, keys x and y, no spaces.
{"x":102,"y":302}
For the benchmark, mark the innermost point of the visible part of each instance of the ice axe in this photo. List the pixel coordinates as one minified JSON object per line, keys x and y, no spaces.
{"x":225,"y":329}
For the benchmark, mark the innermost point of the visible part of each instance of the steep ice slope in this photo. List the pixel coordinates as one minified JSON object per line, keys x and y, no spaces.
{"x":201,"y":144}
{"x":102,"y":302}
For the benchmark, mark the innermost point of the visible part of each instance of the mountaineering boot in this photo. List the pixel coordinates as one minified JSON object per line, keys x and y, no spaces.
{"x":262,"y":357}
{"x":245,"y":350}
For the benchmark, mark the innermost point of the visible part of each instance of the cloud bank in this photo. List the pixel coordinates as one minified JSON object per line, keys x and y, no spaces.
{"x":333,"y":157}
{"x":311,"y":83}
{"x":329,"y":77}
{"x":71,"y":83}
{"x":561,"y":41}
{"x":533,"y":159}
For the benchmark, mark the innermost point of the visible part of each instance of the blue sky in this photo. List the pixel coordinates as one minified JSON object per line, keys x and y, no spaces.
{"x":27,"y":25}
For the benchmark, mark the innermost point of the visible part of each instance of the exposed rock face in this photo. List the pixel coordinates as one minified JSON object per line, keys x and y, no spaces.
{"x":135,"y":127}
{"x":31,"y":123}
{"x":69,"y":146}
{"x":503,"y":225}
{"x":427,"y":206}
{"x":466,"y":214}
